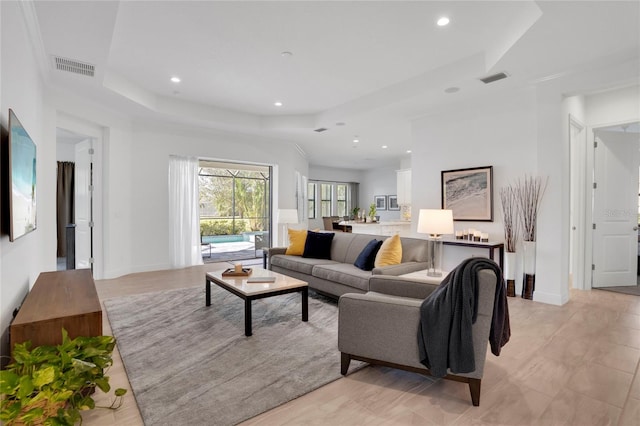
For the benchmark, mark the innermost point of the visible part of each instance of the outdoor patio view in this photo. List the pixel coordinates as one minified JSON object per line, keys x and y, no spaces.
{"x":234,"y":211}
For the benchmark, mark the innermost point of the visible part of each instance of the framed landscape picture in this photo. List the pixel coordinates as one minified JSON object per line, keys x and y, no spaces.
{"x":22,"y":180}
{"x":393,"y":202}
{"x":380,"y":202}
{"x":468,"y":193}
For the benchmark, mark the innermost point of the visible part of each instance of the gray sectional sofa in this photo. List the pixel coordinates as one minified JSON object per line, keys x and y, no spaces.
{"x":338,"y":275}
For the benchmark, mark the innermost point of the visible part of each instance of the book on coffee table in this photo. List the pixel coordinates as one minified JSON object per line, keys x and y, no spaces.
{"x":261,"y":279}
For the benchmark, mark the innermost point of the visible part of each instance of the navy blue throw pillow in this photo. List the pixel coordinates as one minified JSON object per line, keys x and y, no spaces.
{"x":318,"y":245}
{"x":367,"y":256}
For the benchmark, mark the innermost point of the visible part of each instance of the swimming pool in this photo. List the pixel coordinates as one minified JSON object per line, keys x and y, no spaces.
{"x":212,"y":239}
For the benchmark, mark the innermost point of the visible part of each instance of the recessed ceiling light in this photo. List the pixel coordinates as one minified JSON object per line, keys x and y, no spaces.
{"x":408,"y":151}
{"x":175,"y":79}
{"x":356,"y":140}
{"x":286,"y":54}
{"x":443,"y":21}
{"x":277,"y":103}
{"x":452,"y":89}
{"x":384,"y":147}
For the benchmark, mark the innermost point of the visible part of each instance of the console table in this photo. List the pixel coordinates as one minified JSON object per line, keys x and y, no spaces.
{"x":58,"y":299}
{"x":478,"y":244}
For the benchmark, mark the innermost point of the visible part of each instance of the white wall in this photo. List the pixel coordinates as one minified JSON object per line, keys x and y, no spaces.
{"x":112,"y":173}
{"x":521,"y":133}
{"x":499,"y":133}
{"x":334,"y":174}
{"x":613,"y":107}
{"x":65,"y":152}
{"x":379,"y":181}
{"x":135,"y":170}
{"x":22,"y":90}
{"x":151,"y":148}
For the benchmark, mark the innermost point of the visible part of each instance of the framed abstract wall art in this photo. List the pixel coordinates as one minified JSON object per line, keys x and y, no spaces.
{"x":469,"y":193}
{"x":380,"y":201}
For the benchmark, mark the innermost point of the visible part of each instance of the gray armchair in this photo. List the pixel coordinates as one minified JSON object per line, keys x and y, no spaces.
{"x":381,"y":327}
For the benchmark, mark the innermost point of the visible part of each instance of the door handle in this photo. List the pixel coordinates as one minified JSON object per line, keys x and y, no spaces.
{"x":635,"y":228}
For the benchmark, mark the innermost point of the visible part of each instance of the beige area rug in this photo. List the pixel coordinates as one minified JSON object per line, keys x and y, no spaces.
{"x":189,"y":364}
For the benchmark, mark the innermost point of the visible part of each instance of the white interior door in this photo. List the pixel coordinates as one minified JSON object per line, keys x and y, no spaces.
{"x":615,"y":209}
{"x":83,"y":203}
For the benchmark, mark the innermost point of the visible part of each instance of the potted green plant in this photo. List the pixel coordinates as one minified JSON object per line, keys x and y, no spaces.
{"x":354,"y":213}
{"x":372,"y":211}
{"x":49,"y":385}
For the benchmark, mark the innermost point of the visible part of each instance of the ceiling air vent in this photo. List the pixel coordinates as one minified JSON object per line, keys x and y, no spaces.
{"x":495,"y":77}
{"x":71,"y":65}
{"x":320,"y":129}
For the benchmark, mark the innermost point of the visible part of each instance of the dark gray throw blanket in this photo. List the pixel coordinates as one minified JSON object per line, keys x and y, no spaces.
{"x":446,"y":315}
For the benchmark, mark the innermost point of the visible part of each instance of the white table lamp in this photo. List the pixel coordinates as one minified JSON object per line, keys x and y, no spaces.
{"x":286,"y":217}
{"x":435,"y":223}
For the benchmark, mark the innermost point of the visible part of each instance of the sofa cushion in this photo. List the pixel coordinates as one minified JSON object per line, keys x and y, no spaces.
{"x":303,"y":265}
{"x":318,"y":245}
{"x":343,"y":273}
{"x":297,"y":239}
{"x":390,"y":252}
{"x":367,"y":257}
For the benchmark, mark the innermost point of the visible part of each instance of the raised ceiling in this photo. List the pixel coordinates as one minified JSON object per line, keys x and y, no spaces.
{"x":370,"y":66}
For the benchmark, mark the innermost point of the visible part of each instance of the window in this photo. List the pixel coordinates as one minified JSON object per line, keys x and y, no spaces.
{"x":336,"y":198}
{"x":311,"y":200}
{"x":341,"y":199}
{"x":326,"y":198}
{"x":234,"y":198}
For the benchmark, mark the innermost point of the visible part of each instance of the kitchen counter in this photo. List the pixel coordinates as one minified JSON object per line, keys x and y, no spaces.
{"x":389,"y":228}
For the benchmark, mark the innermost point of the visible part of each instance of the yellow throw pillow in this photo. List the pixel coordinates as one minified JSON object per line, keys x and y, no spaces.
{"x":390,"y":252}
{"x":297,"y":238}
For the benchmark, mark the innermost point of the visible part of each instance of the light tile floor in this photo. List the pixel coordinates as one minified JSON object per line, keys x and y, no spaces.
{"x":575,"y":364}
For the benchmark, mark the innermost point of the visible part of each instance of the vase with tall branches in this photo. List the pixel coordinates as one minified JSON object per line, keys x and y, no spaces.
{"x":529,"y":193}
{"x":509,"y":200}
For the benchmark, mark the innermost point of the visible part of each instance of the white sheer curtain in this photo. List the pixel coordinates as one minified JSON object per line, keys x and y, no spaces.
{"x":301,"y":197}
{"x":184,"y":216}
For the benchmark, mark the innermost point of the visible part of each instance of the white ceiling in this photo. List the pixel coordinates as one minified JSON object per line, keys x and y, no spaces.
{"x":370,"y":65}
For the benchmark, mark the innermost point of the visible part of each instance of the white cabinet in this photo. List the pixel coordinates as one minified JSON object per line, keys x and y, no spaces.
{"x":404,"y":186}
{"x":381,"y":228}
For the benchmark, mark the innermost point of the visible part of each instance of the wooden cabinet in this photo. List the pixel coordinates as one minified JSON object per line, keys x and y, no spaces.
{"x":403,"y":181}
{"x":58,"y":299}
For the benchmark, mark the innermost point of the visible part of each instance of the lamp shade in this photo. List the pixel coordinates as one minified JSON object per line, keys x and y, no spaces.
{"x":435,"y":221}
{"x":287,"y":216}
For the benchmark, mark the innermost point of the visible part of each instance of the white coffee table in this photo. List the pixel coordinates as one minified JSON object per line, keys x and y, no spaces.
{"x":251,"y":291}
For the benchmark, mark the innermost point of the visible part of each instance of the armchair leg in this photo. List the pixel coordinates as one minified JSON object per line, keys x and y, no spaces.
{"x":345,"y":360}
{"x":474,"y":388}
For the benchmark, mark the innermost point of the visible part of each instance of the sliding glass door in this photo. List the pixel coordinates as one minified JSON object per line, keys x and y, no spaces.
{"x":235,"y":210}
